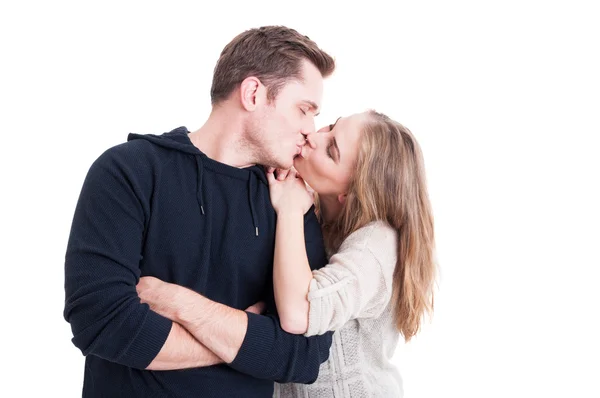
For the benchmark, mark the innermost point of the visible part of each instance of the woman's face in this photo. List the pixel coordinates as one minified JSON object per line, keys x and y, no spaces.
{"x":327,"y":160}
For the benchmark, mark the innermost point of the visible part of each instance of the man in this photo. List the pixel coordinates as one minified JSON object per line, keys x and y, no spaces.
{"x":193,"y":209}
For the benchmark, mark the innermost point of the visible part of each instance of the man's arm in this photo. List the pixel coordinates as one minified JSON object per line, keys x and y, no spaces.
{"x":102,"y":269}
{"x":194,"y":311}
{"x":181,"y":351}
{"x":250,"y":343}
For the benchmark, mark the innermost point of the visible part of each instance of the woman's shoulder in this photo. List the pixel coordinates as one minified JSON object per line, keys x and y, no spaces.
{"x":375,"y":236}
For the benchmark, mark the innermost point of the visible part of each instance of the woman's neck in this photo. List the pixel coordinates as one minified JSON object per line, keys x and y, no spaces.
{"x":330,"y":208}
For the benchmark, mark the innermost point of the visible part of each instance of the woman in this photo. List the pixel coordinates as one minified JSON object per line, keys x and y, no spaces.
{"x":368,"y":175}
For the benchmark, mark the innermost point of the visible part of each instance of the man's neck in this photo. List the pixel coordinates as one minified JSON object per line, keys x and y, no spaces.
{"x":221,"y":138}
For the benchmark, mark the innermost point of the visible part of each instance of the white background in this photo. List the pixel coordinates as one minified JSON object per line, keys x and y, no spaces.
{"x":503,"y":96}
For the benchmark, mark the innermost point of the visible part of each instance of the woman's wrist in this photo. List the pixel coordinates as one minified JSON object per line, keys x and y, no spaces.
{"x":290,"y":209}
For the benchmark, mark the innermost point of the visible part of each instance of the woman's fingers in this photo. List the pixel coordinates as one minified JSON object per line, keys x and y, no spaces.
{"x":292,"y":174}
{"x":282,"y":174}
{"x":271,"y":175}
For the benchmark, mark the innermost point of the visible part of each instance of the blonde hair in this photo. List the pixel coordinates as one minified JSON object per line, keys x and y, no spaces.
{"x":389,"y":185}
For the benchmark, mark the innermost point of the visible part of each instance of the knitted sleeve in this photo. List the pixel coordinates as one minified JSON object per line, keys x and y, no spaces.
{"x":357,"y":282}
{"x":102,"y":263}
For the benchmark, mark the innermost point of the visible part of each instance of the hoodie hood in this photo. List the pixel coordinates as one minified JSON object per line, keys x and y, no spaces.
{"x":178,"y":140}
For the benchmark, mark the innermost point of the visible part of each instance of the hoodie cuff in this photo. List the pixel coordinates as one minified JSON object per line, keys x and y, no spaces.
{"x":149,"y":341}
{"x":255,"y":352}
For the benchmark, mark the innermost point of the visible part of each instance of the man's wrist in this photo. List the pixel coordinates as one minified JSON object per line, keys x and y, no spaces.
{"x":183,"y":304}
{"x":220,"y":328}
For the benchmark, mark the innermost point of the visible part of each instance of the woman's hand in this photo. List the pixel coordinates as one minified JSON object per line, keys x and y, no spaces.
{"x":289,"y":193}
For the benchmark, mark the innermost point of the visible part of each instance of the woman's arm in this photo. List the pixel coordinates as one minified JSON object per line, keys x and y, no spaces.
{"x":357,"y":282}
{"x":291,"y":269}
{"x":291,"y":272}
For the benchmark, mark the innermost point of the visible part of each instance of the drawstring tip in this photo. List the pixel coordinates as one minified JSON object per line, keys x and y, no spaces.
{"x":256,"y":231}
{"x":202,"y":209}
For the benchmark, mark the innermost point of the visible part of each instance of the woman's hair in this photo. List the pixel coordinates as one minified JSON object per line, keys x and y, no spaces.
{"x":389,"y":185}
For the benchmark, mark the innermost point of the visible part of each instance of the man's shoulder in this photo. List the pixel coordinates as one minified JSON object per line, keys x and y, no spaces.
{"x":315,"y":247}
{"x":312,"y":227}
{"x":137,"y":161}
{"x":136,"y":152}
{"x":132,"y":147}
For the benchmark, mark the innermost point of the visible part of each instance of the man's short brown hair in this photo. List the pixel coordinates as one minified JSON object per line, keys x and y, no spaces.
{"x":274,"y":54}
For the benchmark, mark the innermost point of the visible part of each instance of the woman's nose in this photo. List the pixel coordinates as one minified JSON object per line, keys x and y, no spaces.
{"x":310,"y":140}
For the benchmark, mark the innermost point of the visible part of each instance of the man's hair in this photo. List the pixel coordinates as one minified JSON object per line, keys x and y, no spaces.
{"x":273,"y":54}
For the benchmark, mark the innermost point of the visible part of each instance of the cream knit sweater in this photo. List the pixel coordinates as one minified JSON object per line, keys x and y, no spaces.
{"x":351,"y":295}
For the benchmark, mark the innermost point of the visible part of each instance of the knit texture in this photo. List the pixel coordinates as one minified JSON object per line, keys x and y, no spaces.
{"x":351,"y":295}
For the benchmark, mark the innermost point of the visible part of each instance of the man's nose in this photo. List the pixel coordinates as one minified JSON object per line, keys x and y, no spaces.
{"x":308,"y":126}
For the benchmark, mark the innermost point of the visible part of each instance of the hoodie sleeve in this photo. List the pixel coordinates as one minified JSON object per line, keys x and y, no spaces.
{"x":269,"y":352}
{"x":102,"y":263}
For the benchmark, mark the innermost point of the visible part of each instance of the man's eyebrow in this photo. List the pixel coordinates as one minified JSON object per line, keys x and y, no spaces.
{"x":314,"y":106}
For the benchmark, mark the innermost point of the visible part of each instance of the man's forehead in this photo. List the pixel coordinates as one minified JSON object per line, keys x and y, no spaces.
{"x":301,"y":92}
{"x":312,"y":80}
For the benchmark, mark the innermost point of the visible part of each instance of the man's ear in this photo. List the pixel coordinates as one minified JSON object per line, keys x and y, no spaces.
{"x":252,"y":93}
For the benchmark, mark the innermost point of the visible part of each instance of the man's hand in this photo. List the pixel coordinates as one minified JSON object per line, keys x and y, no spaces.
{"x":167,"y":299}
{"x":220,"y":328}
{"x":257,"y":308}
{"x":162,"y":297}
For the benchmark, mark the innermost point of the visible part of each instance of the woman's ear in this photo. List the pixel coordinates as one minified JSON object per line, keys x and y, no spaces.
{"x":342,"y":198}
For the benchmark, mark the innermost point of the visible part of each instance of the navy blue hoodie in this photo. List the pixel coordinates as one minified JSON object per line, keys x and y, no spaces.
{"x":158,"y":206}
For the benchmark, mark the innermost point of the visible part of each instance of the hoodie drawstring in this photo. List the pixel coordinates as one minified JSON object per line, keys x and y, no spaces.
{"x":200,"y":169}
{"x":178,"y":140}
{"x":251,"y":187}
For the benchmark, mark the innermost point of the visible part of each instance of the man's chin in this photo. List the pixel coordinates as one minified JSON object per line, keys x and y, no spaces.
{"x":283,"y":165}
{"x":297,"y":159}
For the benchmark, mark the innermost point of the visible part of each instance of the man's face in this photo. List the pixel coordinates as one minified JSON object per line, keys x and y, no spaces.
{"x":285,"y":121}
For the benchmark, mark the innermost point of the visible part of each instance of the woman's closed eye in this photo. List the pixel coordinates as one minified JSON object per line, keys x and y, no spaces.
{"x":329,"y":146}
